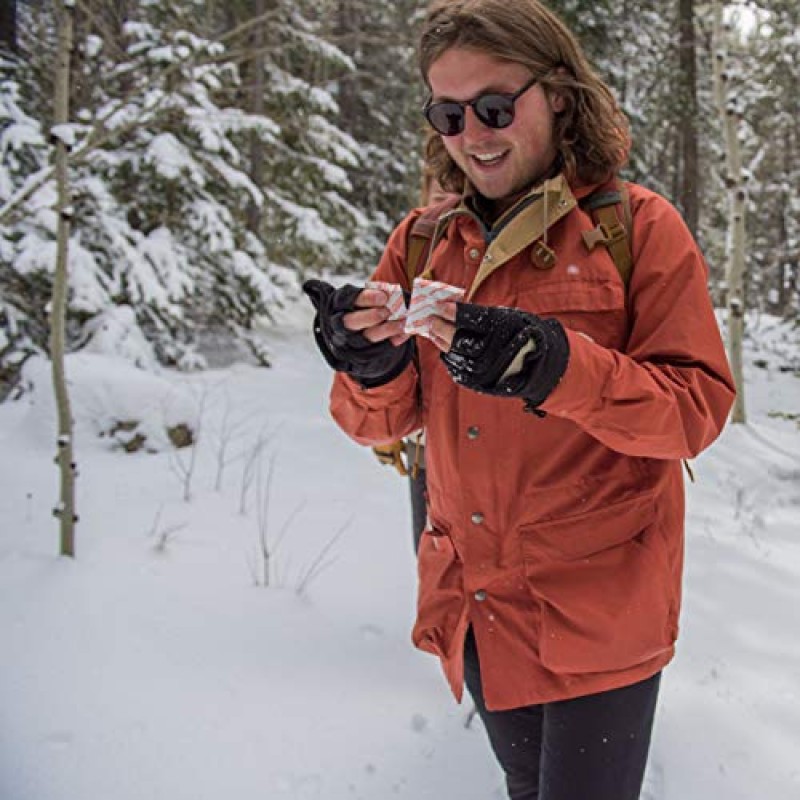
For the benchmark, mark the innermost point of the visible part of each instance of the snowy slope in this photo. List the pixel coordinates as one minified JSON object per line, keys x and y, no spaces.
{"x":157,"y":666}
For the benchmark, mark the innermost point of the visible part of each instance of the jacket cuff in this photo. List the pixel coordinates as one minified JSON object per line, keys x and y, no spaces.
{"x":580,"y":387}
{"x":380,"y":396}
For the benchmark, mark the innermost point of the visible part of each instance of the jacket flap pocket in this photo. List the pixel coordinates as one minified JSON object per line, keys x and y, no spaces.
{"x":582,"y":535}
{"x":549,"y":297}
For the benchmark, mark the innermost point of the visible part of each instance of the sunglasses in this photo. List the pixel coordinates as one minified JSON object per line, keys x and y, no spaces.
{"x":492,"y":109}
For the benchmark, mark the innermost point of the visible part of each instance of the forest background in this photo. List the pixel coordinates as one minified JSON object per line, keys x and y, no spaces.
{"x":220,"y":151}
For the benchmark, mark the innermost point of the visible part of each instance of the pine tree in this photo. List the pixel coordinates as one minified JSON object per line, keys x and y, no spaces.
{"x":380,"y":105}
{"x":24,"y":151}
{"x":169,"y":220}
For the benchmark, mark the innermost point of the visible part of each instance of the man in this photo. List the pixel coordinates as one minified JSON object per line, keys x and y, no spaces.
{"x":558,"y":403}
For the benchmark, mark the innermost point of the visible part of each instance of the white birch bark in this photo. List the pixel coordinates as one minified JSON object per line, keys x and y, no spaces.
{"x":65,"y":510}
{"x":737,"y":197}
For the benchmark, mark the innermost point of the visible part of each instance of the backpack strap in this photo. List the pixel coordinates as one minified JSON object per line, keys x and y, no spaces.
{"x":418,"y":246}
{"x":613,"y":230}
{"x":615,"y":234}
{"x":425,"y":229}
{"x":425,"y":232}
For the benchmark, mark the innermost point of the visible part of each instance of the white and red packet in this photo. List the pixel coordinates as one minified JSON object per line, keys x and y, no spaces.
{"x":425,"y":297}
{"x":396,"y":303}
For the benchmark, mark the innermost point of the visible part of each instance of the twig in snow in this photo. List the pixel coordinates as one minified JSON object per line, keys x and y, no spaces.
{"x":184,"y":469}
{"x":264,"y":490}
{"x":162,"y":536}
{"x":252,"y":463}
{"x":319,"y":565}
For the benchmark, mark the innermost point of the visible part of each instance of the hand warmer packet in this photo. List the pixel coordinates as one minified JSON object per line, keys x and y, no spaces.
{"x":422,"y":308}
{"x":396,"y":303}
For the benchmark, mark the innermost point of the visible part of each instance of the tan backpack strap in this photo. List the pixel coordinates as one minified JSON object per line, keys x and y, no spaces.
{"x":611,"y":231}
{"x":416,"y":247}
{"x":422,"y":234}
{"x":615,"y":238}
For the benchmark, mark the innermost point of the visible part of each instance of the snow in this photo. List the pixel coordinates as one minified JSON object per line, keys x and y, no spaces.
{"x":172,"y":159}
{"x":36,"y":255}
{"x":307,"y":222}
{"x":114,"y":332}
{"x":65,"y":133}
{"x":161,"y":276}
{"x":158,"y":665}
{"x":89,"y":287}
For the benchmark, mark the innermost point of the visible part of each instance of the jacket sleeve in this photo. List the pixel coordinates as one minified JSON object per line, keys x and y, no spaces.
{"x":668,"y":395}
{"x":389,"y":412}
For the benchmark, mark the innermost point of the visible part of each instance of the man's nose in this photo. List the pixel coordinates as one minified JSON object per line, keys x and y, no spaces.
{"x":472,"y":123}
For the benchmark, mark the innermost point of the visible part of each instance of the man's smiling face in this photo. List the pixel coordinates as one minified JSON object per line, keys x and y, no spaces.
{"x":499,"y":162}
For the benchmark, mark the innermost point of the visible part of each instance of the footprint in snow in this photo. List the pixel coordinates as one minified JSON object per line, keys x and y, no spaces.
{"x":419,"y":723}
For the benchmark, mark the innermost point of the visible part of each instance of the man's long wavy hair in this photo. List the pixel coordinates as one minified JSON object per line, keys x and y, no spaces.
{"x":591,"y":133}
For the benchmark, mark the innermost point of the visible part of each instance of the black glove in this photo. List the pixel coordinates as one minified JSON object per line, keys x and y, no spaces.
{"x":486,"y":341}
{"x":370,"y":363}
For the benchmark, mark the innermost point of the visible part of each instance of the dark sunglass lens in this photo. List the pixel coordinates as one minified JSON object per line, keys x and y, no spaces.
{"x":495,"y":110}
{"x":447,"y":118}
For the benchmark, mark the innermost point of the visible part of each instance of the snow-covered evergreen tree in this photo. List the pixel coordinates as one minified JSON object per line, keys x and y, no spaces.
{"x":23,"y":289}
{"x":162,"y":177}
{"x":380,"y":104}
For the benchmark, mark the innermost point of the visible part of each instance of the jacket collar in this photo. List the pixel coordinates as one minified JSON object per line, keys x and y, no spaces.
{"x":526,"y":222}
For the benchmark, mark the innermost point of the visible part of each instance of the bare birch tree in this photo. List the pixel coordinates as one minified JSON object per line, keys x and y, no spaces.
{"x":65,"y":510}
{"x":737,"y":198}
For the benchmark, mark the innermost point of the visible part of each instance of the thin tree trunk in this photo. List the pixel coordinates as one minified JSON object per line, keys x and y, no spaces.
{"x":257,"y":107}
{"x":8,"y":25}
{"x":783,"y":249}
{"x":736,"y":202}
{"x":346,"y":27}
{"x":65,"y":460}
{"x":623,"y":57}
{"x":689,"y":196}
{"x":789,"y":251}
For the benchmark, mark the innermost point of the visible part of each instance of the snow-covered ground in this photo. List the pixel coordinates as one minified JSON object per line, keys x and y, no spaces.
{"x":158,"y":666}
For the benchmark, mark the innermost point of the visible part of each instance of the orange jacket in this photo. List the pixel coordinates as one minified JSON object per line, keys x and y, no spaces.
{"x":559,"y":539}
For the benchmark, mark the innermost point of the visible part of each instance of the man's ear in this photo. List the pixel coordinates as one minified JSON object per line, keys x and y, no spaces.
{"x":555,"y":97}
{"x":557,"y":102}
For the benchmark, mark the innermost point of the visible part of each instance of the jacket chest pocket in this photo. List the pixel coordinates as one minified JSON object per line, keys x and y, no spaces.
{"x":595,"y":308}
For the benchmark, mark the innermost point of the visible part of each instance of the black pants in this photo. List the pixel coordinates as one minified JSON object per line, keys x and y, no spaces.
{"x":589,"y":748}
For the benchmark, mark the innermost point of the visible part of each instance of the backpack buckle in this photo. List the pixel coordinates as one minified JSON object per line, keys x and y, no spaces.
{"x":604,"y":234}
{"x":613,"y":233}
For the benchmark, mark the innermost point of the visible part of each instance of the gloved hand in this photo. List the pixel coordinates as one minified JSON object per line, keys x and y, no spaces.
{"x":488,"y":339}
{"x":370,"y":363}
